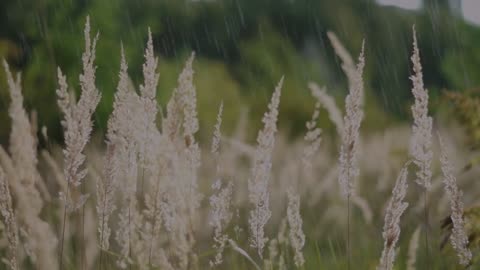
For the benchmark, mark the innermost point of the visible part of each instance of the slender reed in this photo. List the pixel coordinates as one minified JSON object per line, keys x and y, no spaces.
{"x":459,"y":237}
{"x":348,"y":159}
{"x":258,"y":184}
{"x":412,"y":249}
{"x":421,"y":139}
{"x":296,"y":235}
{"x":220,"y":200}
{"x":24,"y":180}
{"x":391,"y":229}
{"x":77,"y":126}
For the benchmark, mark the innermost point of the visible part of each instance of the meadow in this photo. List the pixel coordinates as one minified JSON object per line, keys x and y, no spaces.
{"x":149,"y":194}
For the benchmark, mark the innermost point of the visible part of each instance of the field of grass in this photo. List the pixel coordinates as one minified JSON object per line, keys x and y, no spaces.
{"x":149,"y":195}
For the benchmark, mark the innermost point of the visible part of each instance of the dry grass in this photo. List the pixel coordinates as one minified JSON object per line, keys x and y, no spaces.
{"x":148,"y":198}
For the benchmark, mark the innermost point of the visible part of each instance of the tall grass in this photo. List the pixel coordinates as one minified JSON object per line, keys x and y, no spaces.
{"x":148,"y":197}
{"x":421,"y":140}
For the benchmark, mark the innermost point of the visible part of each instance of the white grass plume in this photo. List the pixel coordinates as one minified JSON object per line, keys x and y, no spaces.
{"x":126,"y":137}
{"x":296,"y":235}
{"x":217,"y":134}
{"x":391,"y":228}
{"x":421,"y":140}
{"x":349,"y":170}
{"x":258,"y":184}
{"x":312,"y":138}
{"x":328,"y":102}
{"x":77,"y":121}
{"x":188,"y":97}
{"x":348,"y":65}
{"x":106,"y":187}
{"x":22,"y":141}
{"x":221,"y":215}
{"x":220,"y":200}
{"x":39,"y":242}
{"x":458,"y":238}
{"x":9,"y":221}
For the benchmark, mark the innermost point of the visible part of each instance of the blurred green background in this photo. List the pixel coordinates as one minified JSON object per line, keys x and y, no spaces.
{"x":243,"y":48}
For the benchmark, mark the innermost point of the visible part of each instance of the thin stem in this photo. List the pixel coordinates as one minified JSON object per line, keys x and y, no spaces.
{"x":64,"y":225}
{"x":143,"y":180}
{"x":426,"y":230}
{"x":102,"y":230}
{"x":129,"y":237}
{"x":348,"y":232}
{"x":153,"y":227}
{"x":243,"y":253}
{"x":82,"y":244}
{"x":131,"y":198}
{"x":100,"y":259}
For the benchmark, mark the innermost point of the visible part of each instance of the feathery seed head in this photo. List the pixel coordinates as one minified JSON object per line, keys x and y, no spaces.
{"x":259,"y":181}
{"x":458,"y":238}
{"x":421,"y":140}
{"x":391,"y":228}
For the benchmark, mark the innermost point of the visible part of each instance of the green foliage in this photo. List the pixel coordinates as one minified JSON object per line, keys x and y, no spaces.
{"x":250,"y":45}
{"x":467,"y":110}
{"x":461,"y":64}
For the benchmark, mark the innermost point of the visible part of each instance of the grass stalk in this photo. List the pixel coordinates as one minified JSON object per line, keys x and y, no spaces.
{"x":427,"y":246}
{"x":62,"y":239}
{"x":348,"y":232}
